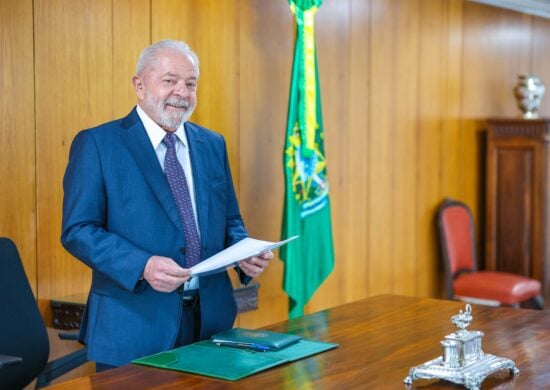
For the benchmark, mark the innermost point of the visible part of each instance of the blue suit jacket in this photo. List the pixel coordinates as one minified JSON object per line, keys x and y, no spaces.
{"x":118,"y":211}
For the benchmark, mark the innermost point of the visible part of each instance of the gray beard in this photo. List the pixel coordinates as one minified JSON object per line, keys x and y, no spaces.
{"x":167,"y":120}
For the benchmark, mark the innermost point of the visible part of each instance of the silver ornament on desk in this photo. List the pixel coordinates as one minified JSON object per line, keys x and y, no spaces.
{"x":463,"y":360}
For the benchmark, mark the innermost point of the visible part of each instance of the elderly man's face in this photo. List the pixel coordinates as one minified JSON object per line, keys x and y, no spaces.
{"x":167,"y":91}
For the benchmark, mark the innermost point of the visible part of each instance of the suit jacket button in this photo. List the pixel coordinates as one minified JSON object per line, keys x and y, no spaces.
{"x":182,"y":250}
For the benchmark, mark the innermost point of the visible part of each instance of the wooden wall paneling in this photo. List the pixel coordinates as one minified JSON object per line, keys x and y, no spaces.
{"x":469,"y":180}
{"x":353,"y":253}
{"x":217,"y":46}
{"x":451,"y":150}
{"x":541,"y":59}
{"x":73,"y":71}
{"x":450,"y":163}
{"x":210,"y":27}
{"x":17,"y":137}
{"x":176,"y":19}
{"x":332,"y":25}
{"x":266,"y":49}
{"x":131,"y":34}
{"x":404,"y":226}
{"x":431,"y":103}
{"x":381,"y":146}
{"x":496,"y":48}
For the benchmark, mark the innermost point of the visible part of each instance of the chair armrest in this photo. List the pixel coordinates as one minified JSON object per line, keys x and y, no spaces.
{"x":7,"y":360}
{"x":61,"y":366}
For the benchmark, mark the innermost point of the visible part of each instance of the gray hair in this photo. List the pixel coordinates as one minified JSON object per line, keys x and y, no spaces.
{"x":150,"y":54}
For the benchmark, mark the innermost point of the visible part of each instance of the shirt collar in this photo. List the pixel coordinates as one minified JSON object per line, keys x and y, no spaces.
{"x":155,"y":132}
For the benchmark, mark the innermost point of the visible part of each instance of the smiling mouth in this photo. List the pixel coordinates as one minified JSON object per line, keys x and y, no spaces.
{"x":177,"y":106}
{"x":177,"y":103}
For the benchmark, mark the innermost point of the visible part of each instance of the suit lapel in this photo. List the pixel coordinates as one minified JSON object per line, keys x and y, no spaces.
{"x":138,"y":143}
{"x":199,"y":153}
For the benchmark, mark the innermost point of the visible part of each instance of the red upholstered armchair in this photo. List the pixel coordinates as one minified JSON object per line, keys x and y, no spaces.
{"x":463,"y":280}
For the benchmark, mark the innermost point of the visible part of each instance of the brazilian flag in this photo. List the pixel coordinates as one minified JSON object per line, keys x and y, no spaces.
{"x":309,"y":259}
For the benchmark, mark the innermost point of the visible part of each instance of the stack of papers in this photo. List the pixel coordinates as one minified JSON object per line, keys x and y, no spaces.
{"x":229,"y":257}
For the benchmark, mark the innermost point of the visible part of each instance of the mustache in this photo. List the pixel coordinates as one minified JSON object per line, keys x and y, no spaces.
{"x":177,"y":102}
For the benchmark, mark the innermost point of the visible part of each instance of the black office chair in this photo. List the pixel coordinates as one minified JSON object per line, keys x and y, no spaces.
{"x":24,"y":344}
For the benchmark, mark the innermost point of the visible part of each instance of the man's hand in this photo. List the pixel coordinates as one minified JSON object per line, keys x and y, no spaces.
{"x":254,"y":266}
{"x":164,"y":274}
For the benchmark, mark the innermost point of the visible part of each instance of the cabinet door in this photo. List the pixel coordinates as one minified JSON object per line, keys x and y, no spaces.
{"x":518,"y":199}
{"x":511,"y":228}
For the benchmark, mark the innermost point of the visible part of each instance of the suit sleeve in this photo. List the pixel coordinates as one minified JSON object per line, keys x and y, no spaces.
{"x":235,"y":230}
{"x":84,"y":232}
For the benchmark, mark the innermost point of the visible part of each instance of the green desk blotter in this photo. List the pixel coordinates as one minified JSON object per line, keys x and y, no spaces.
{"x":207,"y":358}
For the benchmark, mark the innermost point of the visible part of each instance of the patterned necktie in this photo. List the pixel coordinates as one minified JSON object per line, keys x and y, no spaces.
{"x":178,"y":185}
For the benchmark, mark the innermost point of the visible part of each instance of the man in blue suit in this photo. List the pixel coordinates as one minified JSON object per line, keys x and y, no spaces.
{"x":122,"y":217}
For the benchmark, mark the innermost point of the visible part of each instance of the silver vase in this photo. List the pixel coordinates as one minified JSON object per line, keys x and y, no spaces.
{"x":529,"y":92}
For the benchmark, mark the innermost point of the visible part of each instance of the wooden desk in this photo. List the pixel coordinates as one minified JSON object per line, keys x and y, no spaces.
{"x":380,"y":339}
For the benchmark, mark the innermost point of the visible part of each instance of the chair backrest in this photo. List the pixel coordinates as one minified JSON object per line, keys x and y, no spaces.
{"x":456,"y":237}
{"x":22,"y":330}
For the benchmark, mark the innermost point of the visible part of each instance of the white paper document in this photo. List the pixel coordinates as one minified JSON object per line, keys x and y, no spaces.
{"x":229,"y":257}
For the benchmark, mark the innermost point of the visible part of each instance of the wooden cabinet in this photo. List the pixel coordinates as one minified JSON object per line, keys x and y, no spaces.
{"x":518,"y":198}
